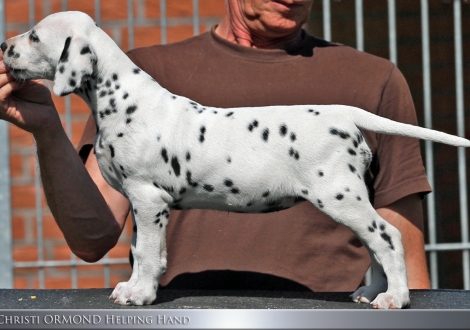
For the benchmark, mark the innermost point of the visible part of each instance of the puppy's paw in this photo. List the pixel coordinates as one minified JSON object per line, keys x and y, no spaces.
{"x":365,"y":294}
{"x":387,"y":300}
{"x":137,"y":295}
{"x":120,"y":287}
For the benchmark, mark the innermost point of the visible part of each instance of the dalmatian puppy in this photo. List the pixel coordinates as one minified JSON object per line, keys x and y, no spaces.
{"x":163,"y":151}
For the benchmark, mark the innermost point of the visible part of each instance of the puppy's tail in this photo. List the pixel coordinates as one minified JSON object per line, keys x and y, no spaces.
{"x":374,"y":123}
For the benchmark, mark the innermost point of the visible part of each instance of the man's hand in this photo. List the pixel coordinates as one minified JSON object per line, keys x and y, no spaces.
{"x":26,"y":104}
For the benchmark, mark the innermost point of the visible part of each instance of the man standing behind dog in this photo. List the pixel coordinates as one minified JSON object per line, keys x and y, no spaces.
{"x":258,"y":55}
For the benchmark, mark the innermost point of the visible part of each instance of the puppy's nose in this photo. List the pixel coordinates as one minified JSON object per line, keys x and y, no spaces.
{"x":4,"y":46}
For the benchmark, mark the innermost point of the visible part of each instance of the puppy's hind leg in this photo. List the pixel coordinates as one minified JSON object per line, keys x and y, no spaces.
{"x":151,"y":215}
{"x":349,"y":206}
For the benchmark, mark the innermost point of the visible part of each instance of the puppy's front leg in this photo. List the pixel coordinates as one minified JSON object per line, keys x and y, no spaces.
{"x":151,"y":215}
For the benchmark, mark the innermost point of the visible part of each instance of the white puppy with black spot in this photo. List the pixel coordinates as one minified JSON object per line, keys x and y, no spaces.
{"x":164,"y":152}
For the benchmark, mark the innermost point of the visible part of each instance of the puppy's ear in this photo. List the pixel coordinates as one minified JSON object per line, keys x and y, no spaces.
{"x":75,"y":66}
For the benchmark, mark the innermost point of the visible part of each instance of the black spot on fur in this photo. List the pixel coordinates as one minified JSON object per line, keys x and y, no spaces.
{"x":85,"y":50}
{"x":111,"y":148}
{"x":387,"y":239}
{"x":320,"y":173}
{"x":188,"y":156}
{"x":229,"y":159}
{"x":252,"y":125}
{"x":61,"y":69}
{"x":131,"y":109}
{"x":128,"y":120}
{"x":305,"y":192}
{"x":339,"y":196}
{"x":64,"y":57}
{"x":189,"y":179}
{"x":201,"y":136}
{"x":208,"y":187}
{"x":136,"y":70}
{"x":33,"y":36}
{"x":164,"y":154}
{"x":315,"y":112}
{"x":108,"y":83}
{"x":266,"y":194}
{"x":265,"y":134}
{"x":352,"y":168}
{"x":358,"y":198}
{"x":320,"y":203}
{"x":235,"y":191}
{"x":352,"y":152}
{"x":175,"y":165}
{"x":382,"y":227}
{"x":228,"y":182}
{"x":283,"y":130}
{"x":120,"y":135}
{"x":292,"y":137}
{"x":340,"y":133}
{"x":125,"y":96}
{"x":115,"y":76}
{"x":102,"y":94}
{"x":294,"y":153}
{"x":73,"y":73}
{"x":182,"y":191}
{"x":72,"y":83}
{"x":229,"y":114}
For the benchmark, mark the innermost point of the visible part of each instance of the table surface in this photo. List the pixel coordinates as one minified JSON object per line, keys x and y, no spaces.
{"x":217,"y":299}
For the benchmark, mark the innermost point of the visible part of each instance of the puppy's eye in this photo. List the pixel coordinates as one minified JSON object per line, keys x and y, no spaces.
{"x":33,"y":36}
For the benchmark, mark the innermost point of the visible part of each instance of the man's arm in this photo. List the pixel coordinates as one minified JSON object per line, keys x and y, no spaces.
{"x":403,"y":214}
{"x":88,"y":224}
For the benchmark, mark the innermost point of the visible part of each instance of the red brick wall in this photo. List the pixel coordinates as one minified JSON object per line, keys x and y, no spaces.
{"x":179,"y":16}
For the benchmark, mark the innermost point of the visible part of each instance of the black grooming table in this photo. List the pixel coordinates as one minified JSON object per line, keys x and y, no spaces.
{"x":216,"y":299}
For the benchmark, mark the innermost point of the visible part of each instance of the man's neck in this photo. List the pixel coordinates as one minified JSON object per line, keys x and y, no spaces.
{"x":236,"y":33}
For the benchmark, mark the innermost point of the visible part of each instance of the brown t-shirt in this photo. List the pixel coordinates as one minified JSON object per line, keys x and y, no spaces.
{"x":300,"y":244}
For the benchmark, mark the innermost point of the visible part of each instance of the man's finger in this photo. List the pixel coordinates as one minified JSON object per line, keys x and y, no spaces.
{"x":6,"y":90}
{"x":5,"y":78}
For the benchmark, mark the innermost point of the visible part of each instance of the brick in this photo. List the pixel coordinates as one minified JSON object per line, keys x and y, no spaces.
{"x":17,"y":11}
{"x":143,"y":36}
{"x":23,"y":196}
{"x":20,"y":283}
{"x":78,"y":105}
{"x":50,"y":228}
{"x":211,"y":8}
{"x":18,"y":227}
{"x":19,"y":137}
{"x":180,"y":32}
{"x":152,"y":8}
{"x":60,"y":252}
{"x":179,"y":8}
{"x":16,"y":165}
{"x":57,"y":283}
{"x":25,"y":253}
{"x":90,"y":282}
{"x":121,"y":250}
{"x":114,"y":10}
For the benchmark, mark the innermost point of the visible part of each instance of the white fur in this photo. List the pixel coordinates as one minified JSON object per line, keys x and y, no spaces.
{"x":164,"y":151}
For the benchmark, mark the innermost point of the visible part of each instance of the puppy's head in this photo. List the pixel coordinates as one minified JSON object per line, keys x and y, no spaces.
{"x":57,"y":48}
